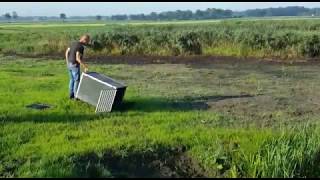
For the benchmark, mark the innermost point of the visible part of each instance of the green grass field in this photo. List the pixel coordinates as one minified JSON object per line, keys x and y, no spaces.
{"x":200,"y":118}
{"x":219,"y":120}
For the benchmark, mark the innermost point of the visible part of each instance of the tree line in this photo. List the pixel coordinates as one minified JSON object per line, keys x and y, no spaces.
{"x":213,"y":13}
{"x":13,"y":15}
{"x":209,"y":13}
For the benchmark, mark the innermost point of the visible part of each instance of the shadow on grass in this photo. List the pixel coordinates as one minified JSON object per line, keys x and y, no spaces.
{"x":159,"y":105}
{"x":43,"y":117}
{"x":311,"y":166}
{"x":138,"y":104}
{"x":162,"y":104}
{"x":161,"y":162}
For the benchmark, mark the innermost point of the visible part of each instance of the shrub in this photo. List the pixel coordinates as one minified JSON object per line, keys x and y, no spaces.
{"x":188,"y":43}
{"x":311,"y":46}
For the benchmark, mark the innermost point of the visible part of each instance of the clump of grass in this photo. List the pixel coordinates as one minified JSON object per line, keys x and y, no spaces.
{"x":290,"y":154}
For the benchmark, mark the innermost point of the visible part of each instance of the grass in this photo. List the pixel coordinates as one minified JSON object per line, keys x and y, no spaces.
{"x":138,"y":22}
{"x":271,"y":133}
{"x":49,"y":25}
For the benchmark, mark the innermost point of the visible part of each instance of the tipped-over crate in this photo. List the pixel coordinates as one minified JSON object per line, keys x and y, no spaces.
{"x":100,"y":91}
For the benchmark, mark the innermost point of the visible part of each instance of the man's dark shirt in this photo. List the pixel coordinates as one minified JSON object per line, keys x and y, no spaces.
{"x":74,"y":47}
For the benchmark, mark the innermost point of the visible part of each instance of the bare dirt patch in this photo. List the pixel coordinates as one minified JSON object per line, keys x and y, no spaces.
{"x":197,"y":61}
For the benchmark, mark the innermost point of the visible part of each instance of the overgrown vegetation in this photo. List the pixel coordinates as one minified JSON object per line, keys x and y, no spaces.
{"x":283,"y":39}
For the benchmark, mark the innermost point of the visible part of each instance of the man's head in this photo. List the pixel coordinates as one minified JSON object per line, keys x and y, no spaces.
{"x":85,"y":39}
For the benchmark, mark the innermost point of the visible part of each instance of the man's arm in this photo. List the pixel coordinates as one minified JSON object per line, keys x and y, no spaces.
{"x":67,"y":54}
{"x":78,"y":58}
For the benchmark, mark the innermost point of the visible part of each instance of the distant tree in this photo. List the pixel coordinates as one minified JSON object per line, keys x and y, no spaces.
{"x":187,"y":15}
{"x":119,"y":17}
{"x":98,"y":17}
{"x":137,"y":17}
{"x":153,"y":16}
{"x":7,"y":16}
{"x":199,"y":14}
{"x":213,"y":13}
{"x":14,"y":15}
{"x":63,"y":16}
{"x":43,"y":18}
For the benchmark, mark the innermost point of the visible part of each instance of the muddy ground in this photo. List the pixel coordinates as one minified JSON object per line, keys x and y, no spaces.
{"x":194,"y":60}
{"x":199,"y":60}
{"x":252,"y":90}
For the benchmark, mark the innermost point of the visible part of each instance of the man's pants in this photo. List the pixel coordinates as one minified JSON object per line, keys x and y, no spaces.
{"x":74,"y":73}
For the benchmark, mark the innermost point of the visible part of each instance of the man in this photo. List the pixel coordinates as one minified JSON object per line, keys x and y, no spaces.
{"x":74,"y":59}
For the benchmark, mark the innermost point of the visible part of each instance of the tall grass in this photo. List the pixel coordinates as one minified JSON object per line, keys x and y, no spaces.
{"x":284,"y":39}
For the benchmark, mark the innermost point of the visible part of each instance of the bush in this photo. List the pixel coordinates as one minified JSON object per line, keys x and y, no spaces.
{"x":276,"y":42}
{"x":311,"y":46}
{"x":254,"y":40}
{"x":188,"y":43}
{"x":97,"y":42}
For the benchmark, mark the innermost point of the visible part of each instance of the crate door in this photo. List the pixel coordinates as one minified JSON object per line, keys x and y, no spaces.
{"x":106,"y":101}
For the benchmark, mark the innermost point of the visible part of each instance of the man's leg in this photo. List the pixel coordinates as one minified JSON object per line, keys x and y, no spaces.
{"x":76,"y":79}
{"x":71,"y":85}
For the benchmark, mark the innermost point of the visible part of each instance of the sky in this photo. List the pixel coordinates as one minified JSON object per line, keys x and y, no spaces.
{"x":112,"y":8}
